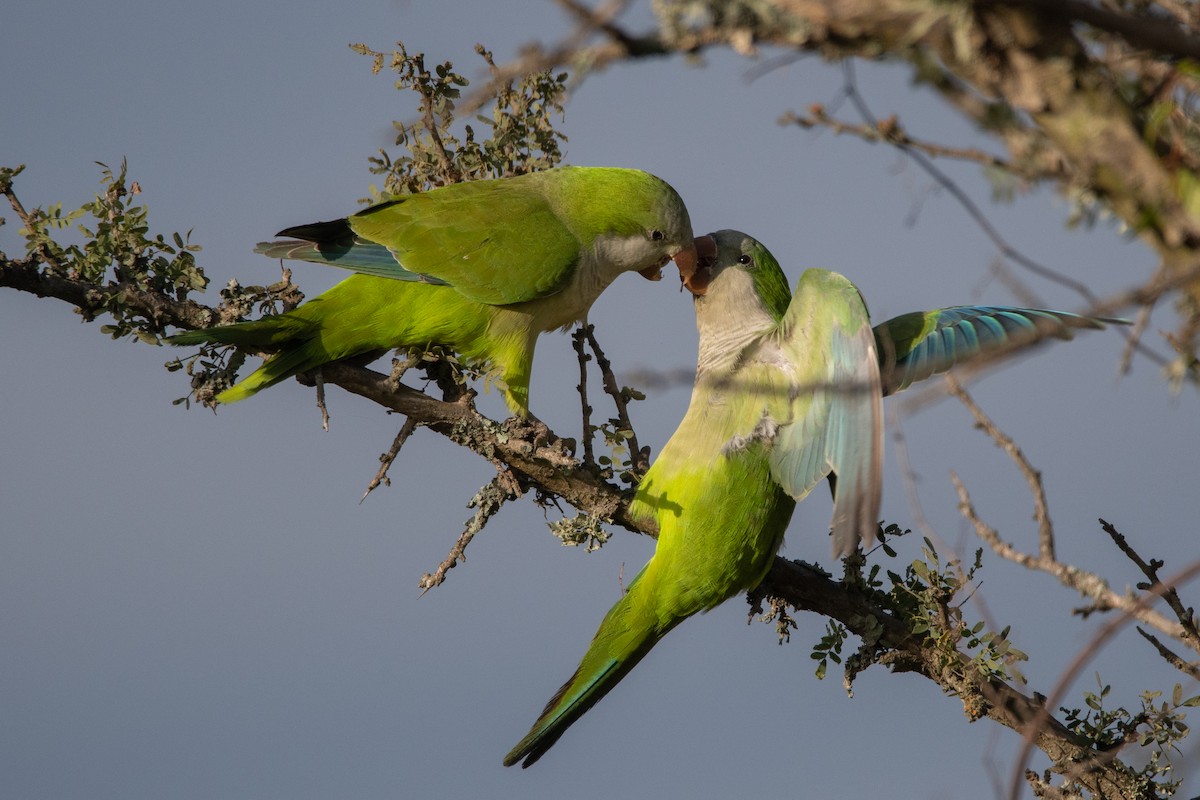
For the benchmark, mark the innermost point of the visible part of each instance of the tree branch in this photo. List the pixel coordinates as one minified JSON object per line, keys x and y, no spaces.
{"x":92,"y":300}
{"x":809,"y":589}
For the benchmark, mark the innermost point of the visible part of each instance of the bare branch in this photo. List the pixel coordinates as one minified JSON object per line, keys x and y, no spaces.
{"x":964,"y":200}
{"x":387,"y":459}
{"x":1033,"y":477}
{"x":1086,"y":583}
{"x":577,"y":341}
{"x":890,"y":130}
{"x":1186,"y":616}
{"x":639,"y":459}
{"x":486,"y":502}
{"x":324,"y":409}
{"x":535,"y":455}
{"x":1189,"y":668}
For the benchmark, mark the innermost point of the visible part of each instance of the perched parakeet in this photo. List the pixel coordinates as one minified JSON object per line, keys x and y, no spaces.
{"x":788,"y":391}
{"x":482,"y":268}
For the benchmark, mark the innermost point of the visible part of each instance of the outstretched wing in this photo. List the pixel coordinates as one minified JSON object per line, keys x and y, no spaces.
{"x":835,"y":404}
{"x":913,"y":347}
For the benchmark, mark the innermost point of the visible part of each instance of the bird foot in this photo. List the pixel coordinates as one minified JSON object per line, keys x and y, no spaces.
{"x":529,"y":428}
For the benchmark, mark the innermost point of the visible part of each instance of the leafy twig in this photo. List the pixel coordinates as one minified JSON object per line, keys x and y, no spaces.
{"x":1036,"y":726}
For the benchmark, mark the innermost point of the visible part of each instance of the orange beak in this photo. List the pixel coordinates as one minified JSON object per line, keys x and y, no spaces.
{"x":653,"y":272}
{"x":696,"y":280}
{"x":685,"y":260}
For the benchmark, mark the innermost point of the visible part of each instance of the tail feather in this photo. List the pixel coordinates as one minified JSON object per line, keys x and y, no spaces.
{"x":291,"y":335}
{"x":333,"y":232}
{"x":277,"y":368}
{"x":629,"y":631}
{"x":266,"y":333}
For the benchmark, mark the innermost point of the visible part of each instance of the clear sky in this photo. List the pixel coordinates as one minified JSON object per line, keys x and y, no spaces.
{"x":196,"y":606}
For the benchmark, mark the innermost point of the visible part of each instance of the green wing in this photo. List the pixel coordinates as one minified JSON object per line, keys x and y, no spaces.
{"x":495,"y":242}
{"x":915,"y":346}
{"x":836,"y":405}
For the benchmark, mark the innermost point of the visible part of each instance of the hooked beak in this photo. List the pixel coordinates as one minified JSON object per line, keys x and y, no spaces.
{"x":685,"y":260}
{"x":696,"y":280}
{"x":654,"y":271}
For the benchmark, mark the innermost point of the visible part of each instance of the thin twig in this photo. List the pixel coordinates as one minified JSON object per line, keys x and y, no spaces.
{"x":1082,"y":658}
{"x":1033,"y":477}
{"x":30,"y":224}
{"x":889,"y":130}
{"x":973,"y":211}
{"x":1189,"y":668}
{"x":577,"y":341}
{"x":1086,"y":583}
{"x":600,"y":18}
{"x":449,"y":173}
{"x":387,"y":459}
{"x":1187,"y":616}
{"x":640,"y":460}
{"x":399,"y":367}
{"x":1140,"y":323}
{"x":910,"y":479}
{"x":486,"y":502}
{"x":320,"y":381}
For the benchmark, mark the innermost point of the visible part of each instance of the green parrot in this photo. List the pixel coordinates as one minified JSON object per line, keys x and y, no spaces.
{"x":482,"y":268}
{"x":788,"y":391}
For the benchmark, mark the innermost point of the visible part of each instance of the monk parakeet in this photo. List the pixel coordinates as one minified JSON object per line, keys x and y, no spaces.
{"x":788,"y":391}
{"x":482,"y":268}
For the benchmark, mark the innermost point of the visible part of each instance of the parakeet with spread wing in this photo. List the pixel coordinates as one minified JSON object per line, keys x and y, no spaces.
{"x":788,"y":392}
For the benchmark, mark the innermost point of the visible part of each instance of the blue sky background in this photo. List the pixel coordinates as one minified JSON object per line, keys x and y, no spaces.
{"x":196,"y":606}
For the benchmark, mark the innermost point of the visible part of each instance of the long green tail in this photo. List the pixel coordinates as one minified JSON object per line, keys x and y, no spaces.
{"x":293,"y":336}
{"x":629,"y":631}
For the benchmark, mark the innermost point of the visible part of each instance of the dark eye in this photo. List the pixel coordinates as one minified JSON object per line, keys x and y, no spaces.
{"x":744,"y":259}
{"x":657,"y":236}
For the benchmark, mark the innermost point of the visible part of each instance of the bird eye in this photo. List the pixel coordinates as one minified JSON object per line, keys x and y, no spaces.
{"x":744,"y":258}
{"x":657,"y":235}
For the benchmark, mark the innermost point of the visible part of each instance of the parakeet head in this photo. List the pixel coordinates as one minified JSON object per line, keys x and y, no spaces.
{"x":736,"y":270}
{"x":634,"y":220}
{"x":676,"y":231}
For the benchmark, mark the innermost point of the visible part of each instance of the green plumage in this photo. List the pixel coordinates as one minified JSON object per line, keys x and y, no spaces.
{"x":481,"y":268}
{"x":788,"y":392}
{"x":720,"y":512}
